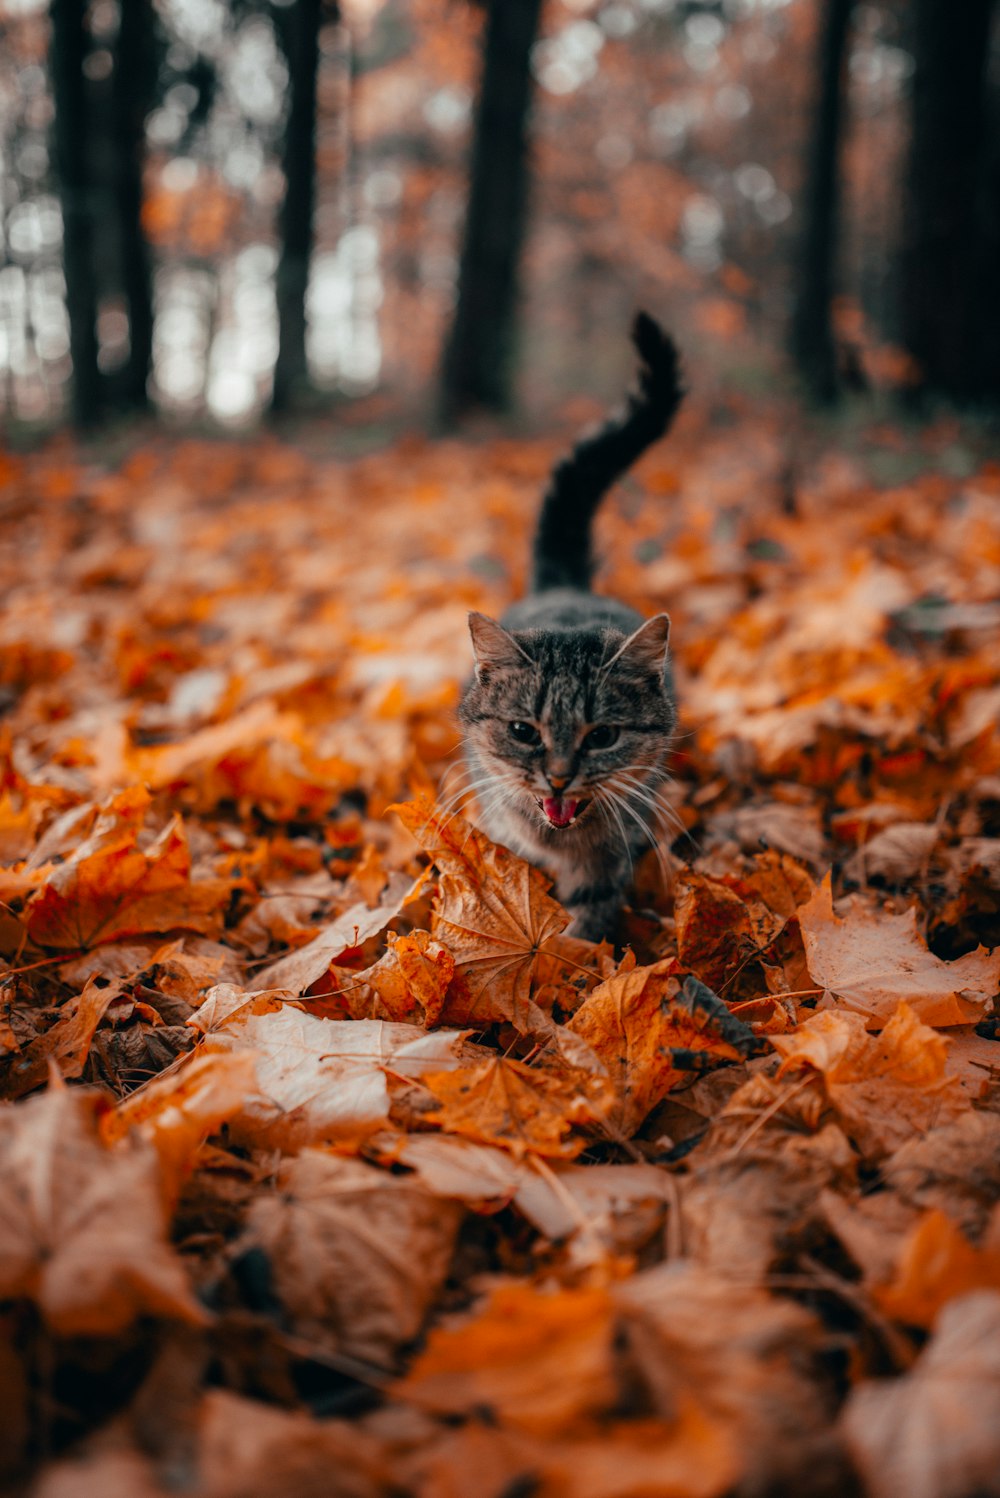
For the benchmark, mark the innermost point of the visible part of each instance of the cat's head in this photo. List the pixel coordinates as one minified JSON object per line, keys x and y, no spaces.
{"x":567,"y":723}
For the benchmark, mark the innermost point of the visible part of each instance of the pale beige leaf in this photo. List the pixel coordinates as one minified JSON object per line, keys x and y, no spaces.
{"x":321,"y":1079}
{"x":873,"y":959}
{"x":935,"y":1432}
{"x":303,"y":967}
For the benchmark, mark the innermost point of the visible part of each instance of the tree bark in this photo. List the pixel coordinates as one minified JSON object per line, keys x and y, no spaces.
{"x":68,"y":47}
{"x":131,"y":96}
{"x":812,"y":342}
{"x":941,"y":294}
{"x":476,"y":367}
{"x":297,"y":26}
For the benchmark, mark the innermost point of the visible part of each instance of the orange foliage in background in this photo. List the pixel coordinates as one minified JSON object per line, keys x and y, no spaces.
{"x":331,"y":1163}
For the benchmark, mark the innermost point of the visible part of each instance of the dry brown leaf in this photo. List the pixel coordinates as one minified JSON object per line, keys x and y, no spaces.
{"x":307,"y":965}
{"x":740,"y":1217}
{"x":795,"y":830}
{"x":357,"y":1255}
{"x":873,"y":960}
{"x":110,"y":887}
{"x":177,"y":1111}
{"x":247,"y":1449}
{"x":652,"y":1030}
{"x":103,"y":1472}
{"x":67,"y":1043}
{"x":884,"y":1088}
{"x":409,"y":981}
{"x":714,"y":936}
{"x":493,"y":914}
{"x":632,"y":1458}
{"x":185,"y":967}
{"x":615,"y":1208}
{"x":955,"y":1167}
{"x":511,"y":1357}
{"x":287,"y":913}
{"x":935,"y":1432}
{"x":751,"y":1364}
{"x":897,"y":854}
{"x":82,"y":1225}
{"x":526,"y":1109}
{"x":480,"y":1175}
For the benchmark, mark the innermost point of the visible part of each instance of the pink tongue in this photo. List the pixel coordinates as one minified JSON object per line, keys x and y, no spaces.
{"x":559,"y":812}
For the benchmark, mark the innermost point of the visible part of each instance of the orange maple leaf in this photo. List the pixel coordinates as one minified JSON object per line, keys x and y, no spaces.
{"x":885,"y":1087}
{"x":525,"y":1109}
{"x":652,"y":1029}
{"x":408,"y":982}
{"x":936,"y":1264}
{"x":493,"y":913}
{"x":110,"y":887}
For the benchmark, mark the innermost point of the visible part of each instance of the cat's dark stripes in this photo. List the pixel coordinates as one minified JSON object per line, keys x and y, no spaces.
{"x":569,"y":716}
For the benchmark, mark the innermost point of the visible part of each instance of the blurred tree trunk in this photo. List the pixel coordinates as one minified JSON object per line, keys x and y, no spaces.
{"x":476,"y":368}
{"x":813,"y":347}
{"x":941,"y":294}
{"x":67,"y":50}
{"x":297,"y":27}
{"x":132,"y":88}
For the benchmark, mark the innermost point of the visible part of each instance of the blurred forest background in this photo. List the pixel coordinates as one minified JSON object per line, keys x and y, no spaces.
{"x":411,"y":209}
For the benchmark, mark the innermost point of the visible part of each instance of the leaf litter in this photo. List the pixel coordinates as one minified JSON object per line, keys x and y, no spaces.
{"x":330,"y":1162}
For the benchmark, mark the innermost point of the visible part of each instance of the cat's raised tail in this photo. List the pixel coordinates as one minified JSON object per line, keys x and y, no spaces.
{"x":562,"y":553}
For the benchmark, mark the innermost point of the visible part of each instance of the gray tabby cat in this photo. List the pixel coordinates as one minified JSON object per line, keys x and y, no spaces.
{"x":569,"y":716}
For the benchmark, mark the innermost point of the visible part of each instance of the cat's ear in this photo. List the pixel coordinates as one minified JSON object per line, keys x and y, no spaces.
{"x":646,"y":649}
{"x":494,"y":646}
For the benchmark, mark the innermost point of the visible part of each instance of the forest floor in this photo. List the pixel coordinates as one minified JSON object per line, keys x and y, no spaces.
{"x":330,"y":1165}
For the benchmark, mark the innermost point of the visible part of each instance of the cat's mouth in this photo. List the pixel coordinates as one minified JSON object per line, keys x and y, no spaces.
{"x":561,"y":811}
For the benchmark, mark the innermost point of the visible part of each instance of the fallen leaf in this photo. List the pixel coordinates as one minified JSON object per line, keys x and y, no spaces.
{"x":82,"y":1225}
{"x":653,"y":1030}
{"x":955,"y":1167}
{"x":357,"y":1255}
{"x":873,"y":960}
{"x":307,"y":965}
{"x":320,"y":1079}
{"x":480,"y":1175}
{"x":750,"y":1363}
{"x":109,"y":887}
{"x":523,"y":1108}
{"x":247,"y":1449}
{"x":936,"y":1263}
{"x":884,"y":1088}
{"x":66,"y":1044}
{"x":177,"y":1111}
{"x":511,"y":1357}
{"x":795,"y":830}
{"x":897,"y":854}
{"x":713,"y":929}
{"x":934,"y":1432}
{"x":493,"y":914}
{"x":409,"y":981}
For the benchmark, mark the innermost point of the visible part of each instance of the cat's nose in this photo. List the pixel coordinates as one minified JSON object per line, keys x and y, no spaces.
{"x":558,"y":782}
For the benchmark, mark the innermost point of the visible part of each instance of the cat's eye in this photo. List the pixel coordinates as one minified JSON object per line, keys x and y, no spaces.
{"x":603,"y":736}
{"x":525,"y":733}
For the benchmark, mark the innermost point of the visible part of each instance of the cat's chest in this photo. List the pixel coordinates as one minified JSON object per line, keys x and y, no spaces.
{"x":567,"y":856}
